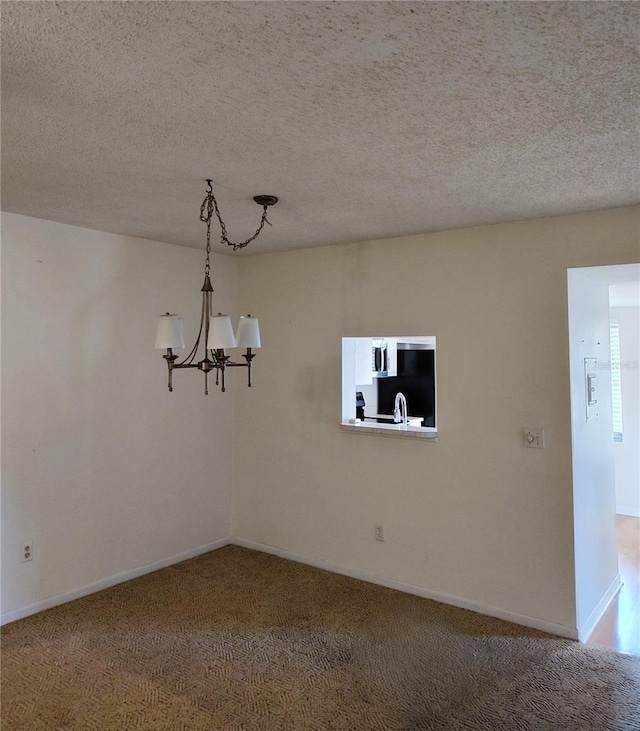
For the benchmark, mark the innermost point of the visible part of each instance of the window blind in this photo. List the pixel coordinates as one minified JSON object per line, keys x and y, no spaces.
{"x":616,"y":381}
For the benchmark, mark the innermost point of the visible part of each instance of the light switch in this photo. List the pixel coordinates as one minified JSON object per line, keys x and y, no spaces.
{"x":533,"y":438}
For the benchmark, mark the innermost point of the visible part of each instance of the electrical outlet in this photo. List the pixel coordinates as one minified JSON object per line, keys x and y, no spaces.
{"x":379,"y":533}
{"x":533,"y":437}
{"x":27,"y":552}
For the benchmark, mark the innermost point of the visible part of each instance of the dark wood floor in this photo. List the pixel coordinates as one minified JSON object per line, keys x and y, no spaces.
{"x":619,"y":629}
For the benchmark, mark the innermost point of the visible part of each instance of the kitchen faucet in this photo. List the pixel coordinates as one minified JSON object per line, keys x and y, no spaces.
{"x":400,"y":410}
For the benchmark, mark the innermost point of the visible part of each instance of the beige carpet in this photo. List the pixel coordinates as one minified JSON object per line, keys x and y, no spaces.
{"x":239,"y":640}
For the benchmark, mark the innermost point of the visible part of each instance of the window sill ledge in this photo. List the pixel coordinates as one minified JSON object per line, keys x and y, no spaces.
{"x":390,"y":430}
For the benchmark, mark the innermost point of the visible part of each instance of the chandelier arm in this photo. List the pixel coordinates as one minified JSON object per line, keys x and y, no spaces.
{"x":189,"y":359}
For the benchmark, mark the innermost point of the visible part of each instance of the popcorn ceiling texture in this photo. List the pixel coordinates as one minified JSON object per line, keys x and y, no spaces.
{"x":368,"y":120}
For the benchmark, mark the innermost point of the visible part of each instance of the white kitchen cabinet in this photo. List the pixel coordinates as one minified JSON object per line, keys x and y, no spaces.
{"x":363,"y":361}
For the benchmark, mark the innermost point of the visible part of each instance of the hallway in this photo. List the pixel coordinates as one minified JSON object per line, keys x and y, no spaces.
{"x":619,"y":628}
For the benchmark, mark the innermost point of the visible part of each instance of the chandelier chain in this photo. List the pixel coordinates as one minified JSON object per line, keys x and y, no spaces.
{"x":210,"y":204}
{"x":206,"y":203}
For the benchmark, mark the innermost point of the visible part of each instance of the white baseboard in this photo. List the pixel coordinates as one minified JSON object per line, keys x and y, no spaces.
{"x":601,"y":607}
{"x":491,"y":611}
{"x":630,"y":510}
{"x":54,"y":601}
{"x":522,"y":619}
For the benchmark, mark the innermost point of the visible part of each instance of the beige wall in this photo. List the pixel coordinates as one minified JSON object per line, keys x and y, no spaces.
{"x":104,"y":470}
{"x":475,"y":516}
{"x":108,"y":474}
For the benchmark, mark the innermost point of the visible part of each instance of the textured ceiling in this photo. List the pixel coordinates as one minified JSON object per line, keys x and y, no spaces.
{"x":368,"y":119}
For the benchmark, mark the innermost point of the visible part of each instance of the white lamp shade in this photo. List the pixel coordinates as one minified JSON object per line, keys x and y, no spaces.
{"x":170,"y":333}
{"x":248,"y":332}
{"x":220,"y":333}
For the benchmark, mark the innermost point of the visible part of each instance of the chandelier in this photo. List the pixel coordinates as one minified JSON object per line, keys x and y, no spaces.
{"x":216,"y":333}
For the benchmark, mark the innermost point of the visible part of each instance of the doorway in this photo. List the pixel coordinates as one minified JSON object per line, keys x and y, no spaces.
{"x":604,"y":334}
